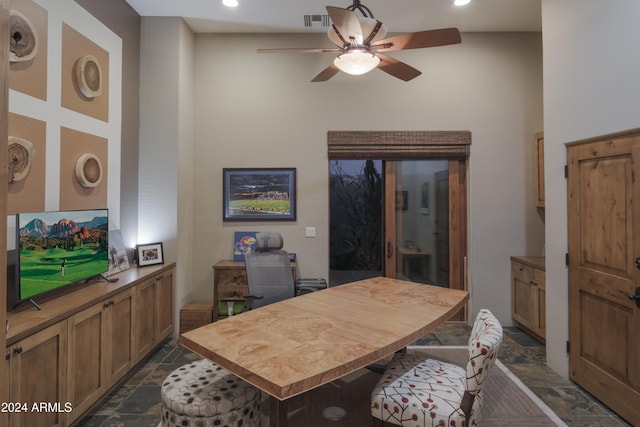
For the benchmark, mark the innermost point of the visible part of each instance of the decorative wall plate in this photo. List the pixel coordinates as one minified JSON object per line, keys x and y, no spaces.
{"x":88,"y":76}
{"x":89,"y":170}
{"x":21,"y":152}
{"x":24,"y":40}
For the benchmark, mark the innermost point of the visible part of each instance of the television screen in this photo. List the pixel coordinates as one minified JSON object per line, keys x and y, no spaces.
{"x":56,"y":249}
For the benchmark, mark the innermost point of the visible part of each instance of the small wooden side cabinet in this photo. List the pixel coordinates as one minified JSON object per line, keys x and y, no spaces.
{"x":528,"y":294}
{"x":230,"y":282}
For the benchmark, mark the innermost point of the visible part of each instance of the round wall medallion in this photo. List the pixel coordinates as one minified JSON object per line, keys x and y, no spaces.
{"x":89,"y":170}
{"x":88,"y":76}
{"x":20,"y":153}
{"x":23,"y":39}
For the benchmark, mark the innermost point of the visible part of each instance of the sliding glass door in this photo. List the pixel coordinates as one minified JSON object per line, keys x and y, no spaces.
{"x":394,"y":219}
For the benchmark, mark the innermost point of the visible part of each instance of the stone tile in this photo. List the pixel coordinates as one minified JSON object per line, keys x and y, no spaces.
{"x":140,"y":420}
{"x":513,"y":353}
{"x":92,"y":421}
{"x":145,"y":399}
{"x":538,"y":375}
{"x":569,"y":402}
{"x":139,"y":376}
{"x":113,"y":400}
{"x":603,"y":421}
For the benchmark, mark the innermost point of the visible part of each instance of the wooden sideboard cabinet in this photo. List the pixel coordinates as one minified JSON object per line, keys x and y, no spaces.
{"x":528,"y":294}
{"x":82,"y":343}
{"x":230,"y":281}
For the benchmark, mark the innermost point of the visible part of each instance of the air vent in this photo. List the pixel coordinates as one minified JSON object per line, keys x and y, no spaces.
{"x":320,"y":21}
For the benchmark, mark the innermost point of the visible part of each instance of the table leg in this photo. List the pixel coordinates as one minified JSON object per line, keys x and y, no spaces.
{"x":277,"y":412}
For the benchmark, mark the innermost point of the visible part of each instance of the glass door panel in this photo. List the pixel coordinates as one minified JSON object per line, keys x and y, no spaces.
{"x":421,"y":223}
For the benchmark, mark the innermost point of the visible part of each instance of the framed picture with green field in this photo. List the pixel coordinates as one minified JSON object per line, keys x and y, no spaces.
{"x":259,"y":194}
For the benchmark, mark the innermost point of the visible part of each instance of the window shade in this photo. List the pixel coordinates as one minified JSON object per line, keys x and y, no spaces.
{"x":398,"y":145}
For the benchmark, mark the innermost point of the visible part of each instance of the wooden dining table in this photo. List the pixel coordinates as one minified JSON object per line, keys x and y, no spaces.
{"x":296,"y":345}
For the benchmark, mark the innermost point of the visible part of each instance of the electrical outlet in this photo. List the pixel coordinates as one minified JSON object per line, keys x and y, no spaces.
{"x":310,"y":232}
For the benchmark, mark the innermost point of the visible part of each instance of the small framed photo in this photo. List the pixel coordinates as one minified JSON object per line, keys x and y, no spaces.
{"x":259,"y":194}
{"x":149,"y":254}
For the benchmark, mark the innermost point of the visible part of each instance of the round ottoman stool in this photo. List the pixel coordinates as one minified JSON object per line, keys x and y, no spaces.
{"x":202,"y":394}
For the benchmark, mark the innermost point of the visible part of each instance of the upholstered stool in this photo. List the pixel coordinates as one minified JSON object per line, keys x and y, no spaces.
{"x":202,"y":394}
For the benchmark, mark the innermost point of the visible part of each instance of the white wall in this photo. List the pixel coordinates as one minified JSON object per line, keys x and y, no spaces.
{"x":591,"y":69}
{"x":166,"y":145}
{"x":260,"y":110}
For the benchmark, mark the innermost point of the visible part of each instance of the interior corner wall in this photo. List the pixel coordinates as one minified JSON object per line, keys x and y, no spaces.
{"x":260,"y":110}
{"x":166,"y":144}
{"x":591,"y":69}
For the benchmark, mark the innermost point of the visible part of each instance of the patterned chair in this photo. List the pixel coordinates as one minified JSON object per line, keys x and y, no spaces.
{"x":202,"y":394}
{"x":417,"y":392}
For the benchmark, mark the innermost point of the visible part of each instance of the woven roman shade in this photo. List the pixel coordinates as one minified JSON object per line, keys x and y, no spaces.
{"x":398,"y":145}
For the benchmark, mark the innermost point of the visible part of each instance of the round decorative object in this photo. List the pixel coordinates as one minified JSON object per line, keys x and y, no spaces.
{"x":24,"y":42}
{"x":21,"y":152}
{"x":89,"y":170}
{"x":88,"y":76}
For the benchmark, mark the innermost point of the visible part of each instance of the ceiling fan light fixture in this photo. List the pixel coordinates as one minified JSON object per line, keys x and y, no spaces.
{"x":356,"y":63}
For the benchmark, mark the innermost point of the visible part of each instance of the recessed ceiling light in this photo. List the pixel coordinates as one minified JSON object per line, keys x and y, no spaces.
{"x":230,"y":3}
{"x":461,"y":2}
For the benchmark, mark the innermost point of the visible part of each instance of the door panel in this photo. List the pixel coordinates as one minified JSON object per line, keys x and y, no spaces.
{"x":604,"y":240}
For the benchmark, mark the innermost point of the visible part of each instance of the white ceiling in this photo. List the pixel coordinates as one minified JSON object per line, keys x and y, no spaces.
{"x":261,"y":16}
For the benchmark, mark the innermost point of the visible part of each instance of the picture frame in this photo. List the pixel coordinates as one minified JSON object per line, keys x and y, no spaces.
{"x":259,"y":194}
{"x":118,"y":260}
{"x":149,"y":254}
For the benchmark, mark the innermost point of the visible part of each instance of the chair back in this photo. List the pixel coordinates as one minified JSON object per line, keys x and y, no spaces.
{"x":269,"y":270}
{"x":484,"y":343}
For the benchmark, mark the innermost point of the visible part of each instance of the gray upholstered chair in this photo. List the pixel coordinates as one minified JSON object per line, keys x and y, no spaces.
{"x":268,"y":271}
{"x":428,"y":392}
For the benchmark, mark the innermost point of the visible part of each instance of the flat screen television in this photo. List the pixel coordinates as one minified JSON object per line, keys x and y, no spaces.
{"x":59,"y":249}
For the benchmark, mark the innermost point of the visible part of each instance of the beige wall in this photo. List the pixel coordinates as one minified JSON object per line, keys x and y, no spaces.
{"x":260,"y":110}
{"x":590,"y":89}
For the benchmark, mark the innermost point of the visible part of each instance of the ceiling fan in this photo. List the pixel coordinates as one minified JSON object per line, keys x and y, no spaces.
{"x":360,"y":41}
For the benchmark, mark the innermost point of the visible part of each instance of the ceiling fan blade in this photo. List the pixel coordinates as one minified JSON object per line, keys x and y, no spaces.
{"x":326,"y":74}
{"x":301,"y":50}
{"x":346,"y":24}
{"x":397,"y":68}
{"x":420,"y":39}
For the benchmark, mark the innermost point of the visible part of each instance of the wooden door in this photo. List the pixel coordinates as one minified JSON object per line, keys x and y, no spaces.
{"x":604,"y":242}
{"x":119,"y":335}
{"x":164,"y":308}
{"x":88,"y":376}
{"x":144,"y":318}
{"x":37,"y":374}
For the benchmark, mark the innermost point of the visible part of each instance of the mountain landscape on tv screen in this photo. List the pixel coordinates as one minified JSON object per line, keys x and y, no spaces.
{"x":55,"y":250}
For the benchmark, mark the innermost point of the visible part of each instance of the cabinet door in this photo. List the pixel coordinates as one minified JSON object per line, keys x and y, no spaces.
{"x":144,"y":317}
{"x":119,"y":336}
{"x":87,"y":372}
{"x":522,"y":295}
{"x":164,"y":307}
{"x":38,"y":374}
{"x":540,"y":326}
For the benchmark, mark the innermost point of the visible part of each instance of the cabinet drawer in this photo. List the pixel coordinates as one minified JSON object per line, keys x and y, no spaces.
{"x":237,"y":277}
{"x":232,"y":290}
{"x":522,"y":272}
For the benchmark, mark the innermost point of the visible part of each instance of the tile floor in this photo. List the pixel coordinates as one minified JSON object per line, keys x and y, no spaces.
{"x":136,"y":401}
